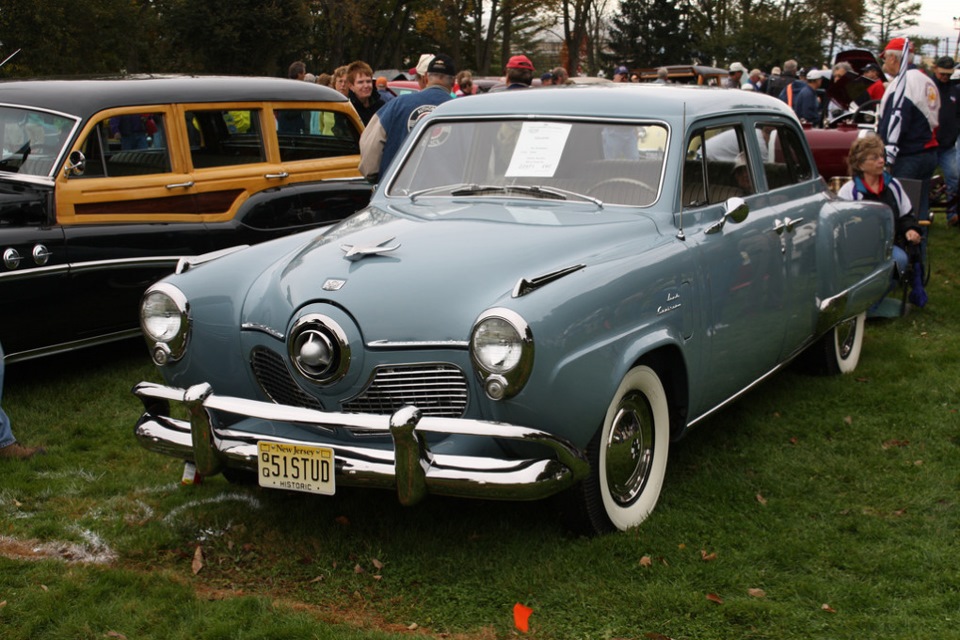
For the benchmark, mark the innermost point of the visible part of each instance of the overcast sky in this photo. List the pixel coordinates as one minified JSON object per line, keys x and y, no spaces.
{"x":936,"y":20}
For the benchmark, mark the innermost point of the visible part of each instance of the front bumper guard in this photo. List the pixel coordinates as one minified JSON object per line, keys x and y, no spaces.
{"x":411,"y":468}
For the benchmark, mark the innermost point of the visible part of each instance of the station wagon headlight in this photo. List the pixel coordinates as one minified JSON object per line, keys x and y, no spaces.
{"x":501,"y":347}
{"x":165,"y":322}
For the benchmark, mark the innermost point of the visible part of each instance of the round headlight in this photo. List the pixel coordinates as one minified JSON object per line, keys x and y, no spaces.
{"x":501,"y":347}
{"x":165,"y":322}
{"x":497,"y":345}
{"x":161,"y":317}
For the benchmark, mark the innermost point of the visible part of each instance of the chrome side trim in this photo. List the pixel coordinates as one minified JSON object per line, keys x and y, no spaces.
{"x":262,"y":328}
{"x":29,"y":272}
{"x":72,"y":346}
{"x":525,"y":286}
{"x":93,"y":265}
{"x":738,"y":395}
{"x":418,"y":344}
{"x":100,"y":265}
{"x":411,"y":468}
{"x":188,"y":262}
{"x":831,"y":311}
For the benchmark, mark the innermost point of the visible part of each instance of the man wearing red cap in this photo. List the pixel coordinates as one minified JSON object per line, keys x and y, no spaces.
{"x":908,"y":120}
{"x":519,"y":73}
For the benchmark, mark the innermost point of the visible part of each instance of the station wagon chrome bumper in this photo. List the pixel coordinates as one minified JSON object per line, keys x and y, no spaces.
{"x":410,"y":467}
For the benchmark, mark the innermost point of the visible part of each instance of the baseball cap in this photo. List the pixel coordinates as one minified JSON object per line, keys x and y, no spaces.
{"x":442,"y":63}
{"x":871,"y":67}
{"x":897,"y":45}
{"x":546,"y":77}
{"x":736,"y":66}
{"x":621,"y":70}
{"x":520,"y":62}
{"x":423,"y":62}
{"x":945,"y":63}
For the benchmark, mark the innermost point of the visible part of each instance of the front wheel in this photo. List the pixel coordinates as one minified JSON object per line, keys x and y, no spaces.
{"x":628,"y":459}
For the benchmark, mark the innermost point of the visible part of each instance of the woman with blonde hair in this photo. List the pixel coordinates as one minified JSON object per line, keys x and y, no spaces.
{"x":872,"y":182}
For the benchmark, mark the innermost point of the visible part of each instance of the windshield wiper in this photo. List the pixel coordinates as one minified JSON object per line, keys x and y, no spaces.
{"x":444,"y":187}
{"x":553,"y":193}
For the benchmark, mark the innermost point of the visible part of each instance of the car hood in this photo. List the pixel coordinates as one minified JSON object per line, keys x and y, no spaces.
{"x":431,"y":274}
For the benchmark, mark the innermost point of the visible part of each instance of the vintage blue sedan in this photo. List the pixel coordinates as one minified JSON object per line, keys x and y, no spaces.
{"x":548,"y":287}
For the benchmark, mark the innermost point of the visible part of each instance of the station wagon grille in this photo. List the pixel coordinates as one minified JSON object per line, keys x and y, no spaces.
{"x":436,"y":389}
{"x":275,"y":380}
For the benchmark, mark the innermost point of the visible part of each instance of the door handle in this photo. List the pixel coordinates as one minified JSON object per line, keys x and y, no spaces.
{"x":277,"y":176}
{"x":180,"y":185}
{"x":41,"y":255}
{"x":779,"y":226}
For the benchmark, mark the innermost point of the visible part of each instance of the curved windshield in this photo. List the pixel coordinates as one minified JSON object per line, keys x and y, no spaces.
{"x":603,"y":162}
{"x":31,"y":141}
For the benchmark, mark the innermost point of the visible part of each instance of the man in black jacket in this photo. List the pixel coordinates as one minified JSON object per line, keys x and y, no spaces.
{"x":947,"y":155}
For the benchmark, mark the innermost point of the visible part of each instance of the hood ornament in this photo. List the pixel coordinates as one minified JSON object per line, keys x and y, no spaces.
{"x":354,"y":252}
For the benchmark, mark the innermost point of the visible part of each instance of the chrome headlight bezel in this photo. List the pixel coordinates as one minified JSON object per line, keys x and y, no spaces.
{"x":166,"y":302}
{"x":502,"y":374}
{"x":319,"y":349}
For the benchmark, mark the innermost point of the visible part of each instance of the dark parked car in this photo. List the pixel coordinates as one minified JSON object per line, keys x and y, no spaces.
{"x":106,"y":184}
{"x":542,"y":295}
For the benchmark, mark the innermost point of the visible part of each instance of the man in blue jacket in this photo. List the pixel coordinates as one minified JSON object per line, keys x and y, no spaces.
{"x":390,"y":125}
{"x":909,"y":115}
{"x":802,"y":98}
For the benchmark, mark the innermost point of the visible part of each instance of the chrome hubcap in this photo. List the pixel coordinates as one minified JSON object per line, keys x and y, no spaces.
{"x":629,"y":448}
{"x":846,"y":336}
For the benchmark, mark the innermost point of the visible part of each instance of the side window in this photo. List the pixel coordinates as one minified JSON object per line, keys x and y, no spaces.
{"x":224,"y":138}
{"x":315,"y":133}
{"x":785,"y":162}
{"x":716,"y":167}
{"x":127,"y":145}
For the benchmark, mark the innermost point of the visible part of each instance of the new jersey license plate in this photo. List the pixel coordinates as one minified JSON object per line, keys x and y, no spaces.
{"x":296,"y":467}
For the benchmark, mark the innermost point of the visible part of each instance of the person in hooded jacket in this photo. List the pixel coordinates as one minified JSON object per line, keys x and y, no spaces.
{"x":802,"y":98}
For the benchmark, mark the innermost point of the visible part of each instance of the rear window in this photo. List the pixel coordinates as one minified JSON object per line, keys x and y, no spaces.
{"x":308,"y":134}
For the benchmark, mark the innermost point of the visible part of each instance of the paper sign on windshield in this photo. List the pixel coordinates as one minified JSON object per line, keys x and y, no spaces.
{"x":538,"y":149}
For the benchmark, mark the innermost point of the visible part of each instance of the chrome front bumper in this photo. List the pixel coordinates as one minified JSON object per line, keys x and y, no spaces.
{"x":411,"y":468}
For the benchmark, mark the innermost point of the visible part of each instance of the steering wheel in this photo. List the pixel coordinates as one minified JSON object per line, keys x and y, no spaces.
{"x":614,"y":181}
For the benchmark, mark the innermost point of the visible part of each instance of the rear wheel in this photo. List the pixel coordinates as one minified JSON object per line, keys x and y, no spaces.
{"x":838,"y":351}
{"x":628,"y":459}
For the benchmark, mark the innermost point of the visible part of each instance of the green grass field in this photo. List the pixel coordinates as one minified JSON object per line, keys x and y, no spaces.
{"x":812,"y":508}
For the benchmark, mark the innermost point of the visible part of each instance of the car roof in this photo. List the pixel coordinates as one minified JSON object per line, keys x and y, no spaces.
{"x":634,"y":100}
{"x":84,"y":97}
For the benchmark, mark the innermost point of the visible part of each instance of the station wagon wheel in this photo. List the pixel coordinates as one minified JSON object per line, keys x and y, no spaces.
{"x":628,"y":458}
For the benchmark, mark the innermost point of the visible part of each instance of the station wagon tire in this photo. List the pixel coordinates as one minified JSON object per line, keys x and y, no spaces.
{"x":838,"y":351}
{"x":628,"y":459}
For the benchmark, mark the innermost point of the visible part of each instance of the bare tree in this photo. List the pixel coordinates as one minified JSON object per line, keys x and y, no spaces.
{"x":887,"y":18}
{"x":576,"y":17}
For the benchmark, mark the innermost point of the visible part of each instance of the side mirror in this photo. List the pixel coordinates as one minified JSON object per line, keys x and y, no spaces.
{"x":76,"y":164}
{"x":735,"y":210}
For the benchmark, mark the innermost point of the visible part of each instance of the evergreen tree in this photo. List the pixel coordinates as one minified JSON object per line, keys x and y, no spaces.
{"x":651,"y":33}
